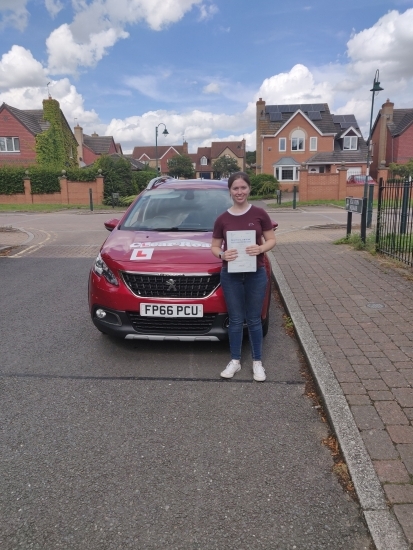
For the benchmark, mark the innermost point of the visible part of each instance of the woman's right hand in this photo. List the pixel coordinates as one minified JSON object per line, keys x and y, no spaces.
{"x":230,"y":255}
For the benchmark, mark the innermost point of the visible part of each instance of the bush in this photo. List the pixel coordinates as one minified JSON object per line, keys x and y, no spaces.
{"x":11,"y":180}
{"x":141,"y":179}
{"x":263,"y":185}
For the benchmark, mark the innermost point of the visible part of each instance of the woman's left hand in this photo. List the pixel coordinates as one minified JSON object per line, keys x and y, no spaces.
{"x":253,"y":250}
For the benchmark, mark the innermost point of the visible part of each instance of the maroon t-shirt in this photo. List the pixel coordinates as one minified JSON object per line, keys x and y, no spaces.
{"x":255,"y":218}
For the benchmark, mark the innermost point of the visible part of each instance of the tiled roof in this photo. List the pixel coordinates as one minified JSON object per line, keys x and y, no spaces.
{"x":150,"y":151}
{"x":136,"y":164}
{"x":275,"y":116}
{"x":338,"y":155}
{"x":31,"y":119}
{"x":402,"y":118}
{"x":286,"y":161}
{"x":98,"y":144}
{"x":218,"y":147}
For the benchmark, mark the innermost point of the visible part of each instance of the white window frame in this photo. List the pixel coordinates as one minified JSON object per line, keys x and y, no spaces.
{"x":352,"y":142}
{"x":278,"y":173}
{"x":298,"y":141}
{"x":204,"y":161}
{"x":6,"y":141}
{"x":313,"y":144}
{"x":282,"y":144}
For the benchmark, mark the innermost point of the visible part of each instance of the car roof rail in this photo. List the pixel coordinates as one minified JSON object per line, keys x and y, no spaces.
{"x":158,"y":179}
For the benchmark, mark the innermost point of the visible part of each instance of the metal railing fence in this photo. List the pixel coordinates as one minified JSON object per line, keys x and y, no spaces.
{"x":394,"y":230}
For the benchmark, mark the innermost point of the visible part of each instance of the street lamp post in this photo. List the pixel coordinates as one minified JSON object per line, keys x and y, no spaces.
{"x":369,"y":196}
{"x":165,"y":133}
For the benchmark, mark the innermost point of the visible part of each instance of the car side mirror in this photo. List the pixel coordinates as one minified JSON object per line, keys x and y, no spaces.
{"x":274,"y":225}
{"x":111,"y":224}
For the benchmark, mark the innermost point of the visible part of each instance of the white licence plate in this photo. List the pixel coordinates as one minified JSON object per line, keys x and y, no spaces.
{"x":172,"y":310}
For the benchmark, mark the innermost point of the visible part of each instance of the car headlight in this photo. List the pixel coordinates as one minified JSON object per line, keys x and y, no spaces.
{"x":102,"y":269}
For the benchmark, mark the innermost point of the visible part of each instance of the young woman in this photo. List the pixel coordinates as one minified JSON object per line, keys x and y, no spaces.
{"x":244,"y":291}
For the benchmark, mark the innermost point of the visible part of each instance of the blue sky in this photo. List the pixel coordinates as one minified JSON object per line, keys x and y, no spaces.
{"x":120,"y":67}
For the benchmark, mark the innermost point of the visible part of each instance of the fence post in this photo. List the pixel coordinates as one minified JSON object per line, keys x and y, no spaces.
{"x":363,"y":221}
{"x":405,"y":204}
{"x":378,"y":226}
{"x":294,"y":197}
{"x":370,"y":205}
{"x":90,"y":199}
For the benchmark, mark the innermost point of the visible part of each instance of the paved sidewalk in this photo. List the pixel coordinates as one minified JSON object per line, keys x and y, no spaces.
{"x":354,"y":319}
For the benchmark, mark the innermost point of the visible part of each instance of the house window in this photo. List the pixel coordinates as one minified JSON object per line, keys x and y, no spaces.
{"x":313,"y":144}
{"x":204,"y":161}
{"x":282,"y":144}
{"x":9,"y":145}
{"x":350,"y":143}
{"x":286,"y":173}
{"x":297,"y":140}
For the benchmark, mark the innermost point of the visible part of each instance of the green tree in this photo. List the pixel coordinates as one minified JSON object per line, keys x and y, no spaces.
{"x":117,"y":173}
{"x":225,"y":166}
{"x":180,"y":166}
{"x":402,"y":170}
{"x":250,"y":157}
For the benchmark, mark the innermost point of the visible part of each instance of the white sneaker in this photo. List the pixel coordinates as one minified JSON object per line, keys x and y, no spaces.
{"x":259,"y":371}
{"x":232,"y":367}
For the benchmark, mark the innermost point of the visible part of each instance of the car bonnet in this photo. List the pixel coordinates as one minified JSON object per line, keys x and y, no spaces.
{"x":133,"y":249}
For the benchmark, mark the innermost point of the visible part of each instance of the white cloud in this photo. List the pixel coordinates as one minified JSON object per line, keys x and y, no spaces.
{"x":82,"y":44}
{"x":71,"y":102}
{"x":66,"y":55}
{"x":18,"y":68}
{"x":15,"y":14}
{"x":197,"y":126}
{"x":212,"y":88}
{"x":386,"y":45}
{"x":207,"y":12}
{"x":296,"y":86}
{"x":53,"y":7}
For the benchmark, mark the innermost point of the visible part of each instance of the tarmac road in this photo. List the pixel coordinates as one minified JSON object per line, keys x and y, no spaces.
{"x":110,"y":444}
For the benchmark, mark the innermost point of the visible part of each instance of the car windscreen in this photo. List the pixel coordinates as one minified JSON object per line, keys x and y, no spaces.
{"x":177,"y":210}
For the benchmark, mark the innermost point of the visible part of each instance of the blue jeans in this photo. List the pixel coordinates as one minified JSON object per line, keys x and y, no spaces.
{"x":244,"y":295}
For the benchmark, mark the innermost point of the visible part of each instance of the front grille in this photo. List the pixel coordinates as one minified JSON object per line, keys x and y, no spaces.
{"x":171,"y":325}
{"x":151,"y":285}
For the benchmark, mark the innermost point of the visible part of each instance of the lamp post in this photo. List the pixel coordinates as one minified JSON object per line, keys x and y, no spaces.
{"x":165,"y":133}
{"x":369,"y":196}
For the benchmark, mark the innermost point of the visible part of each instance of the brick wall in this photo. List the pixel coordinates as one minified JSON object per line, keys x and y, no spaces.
{"x":404,"y":146}
{"x":11,"y":127}
{"x":71,"y":192}
{"x":328,"y":186}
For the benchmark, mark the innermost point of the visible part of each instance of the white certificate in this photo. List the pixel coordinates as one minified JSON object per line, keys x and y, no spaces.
{"x":240,"y":240}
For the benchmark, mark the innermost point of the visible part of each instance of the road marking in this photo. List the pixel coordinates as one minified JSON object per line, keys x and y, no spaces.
{"x":49,"y":237}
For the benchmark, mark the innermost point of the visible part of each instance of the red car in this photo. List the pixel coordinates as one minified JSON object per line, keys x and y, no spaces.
{"x":359,"y":179}
{"x":155,"y":277}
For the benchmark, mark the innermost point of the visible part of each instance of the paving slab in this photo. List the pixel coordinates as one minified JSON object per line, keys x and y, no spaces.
{"x":353,"y":315}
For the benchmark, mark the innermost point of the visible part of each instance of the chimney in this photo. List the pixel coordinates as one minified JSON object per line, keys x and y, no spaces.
{"x":387,"y":110}
{"x":79,"y":138}
{"x":185,"y":147}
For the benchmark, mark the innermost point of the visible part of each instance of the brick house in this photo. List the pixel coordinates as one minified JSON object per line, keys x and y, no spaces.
{"x":19,"y":129}
{"x":202,"y":160}
{"x":292,"y":137}
{"x":392,"y":137}
{"x":90,"y":148}
{"x":205,"y":157}
{"x":147,"y":154}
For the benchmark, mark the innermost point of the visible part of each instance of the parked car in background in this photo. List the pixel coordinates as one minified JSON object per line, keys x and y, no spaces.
{"x":359,"y":179}
{"x":155,"y":277}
